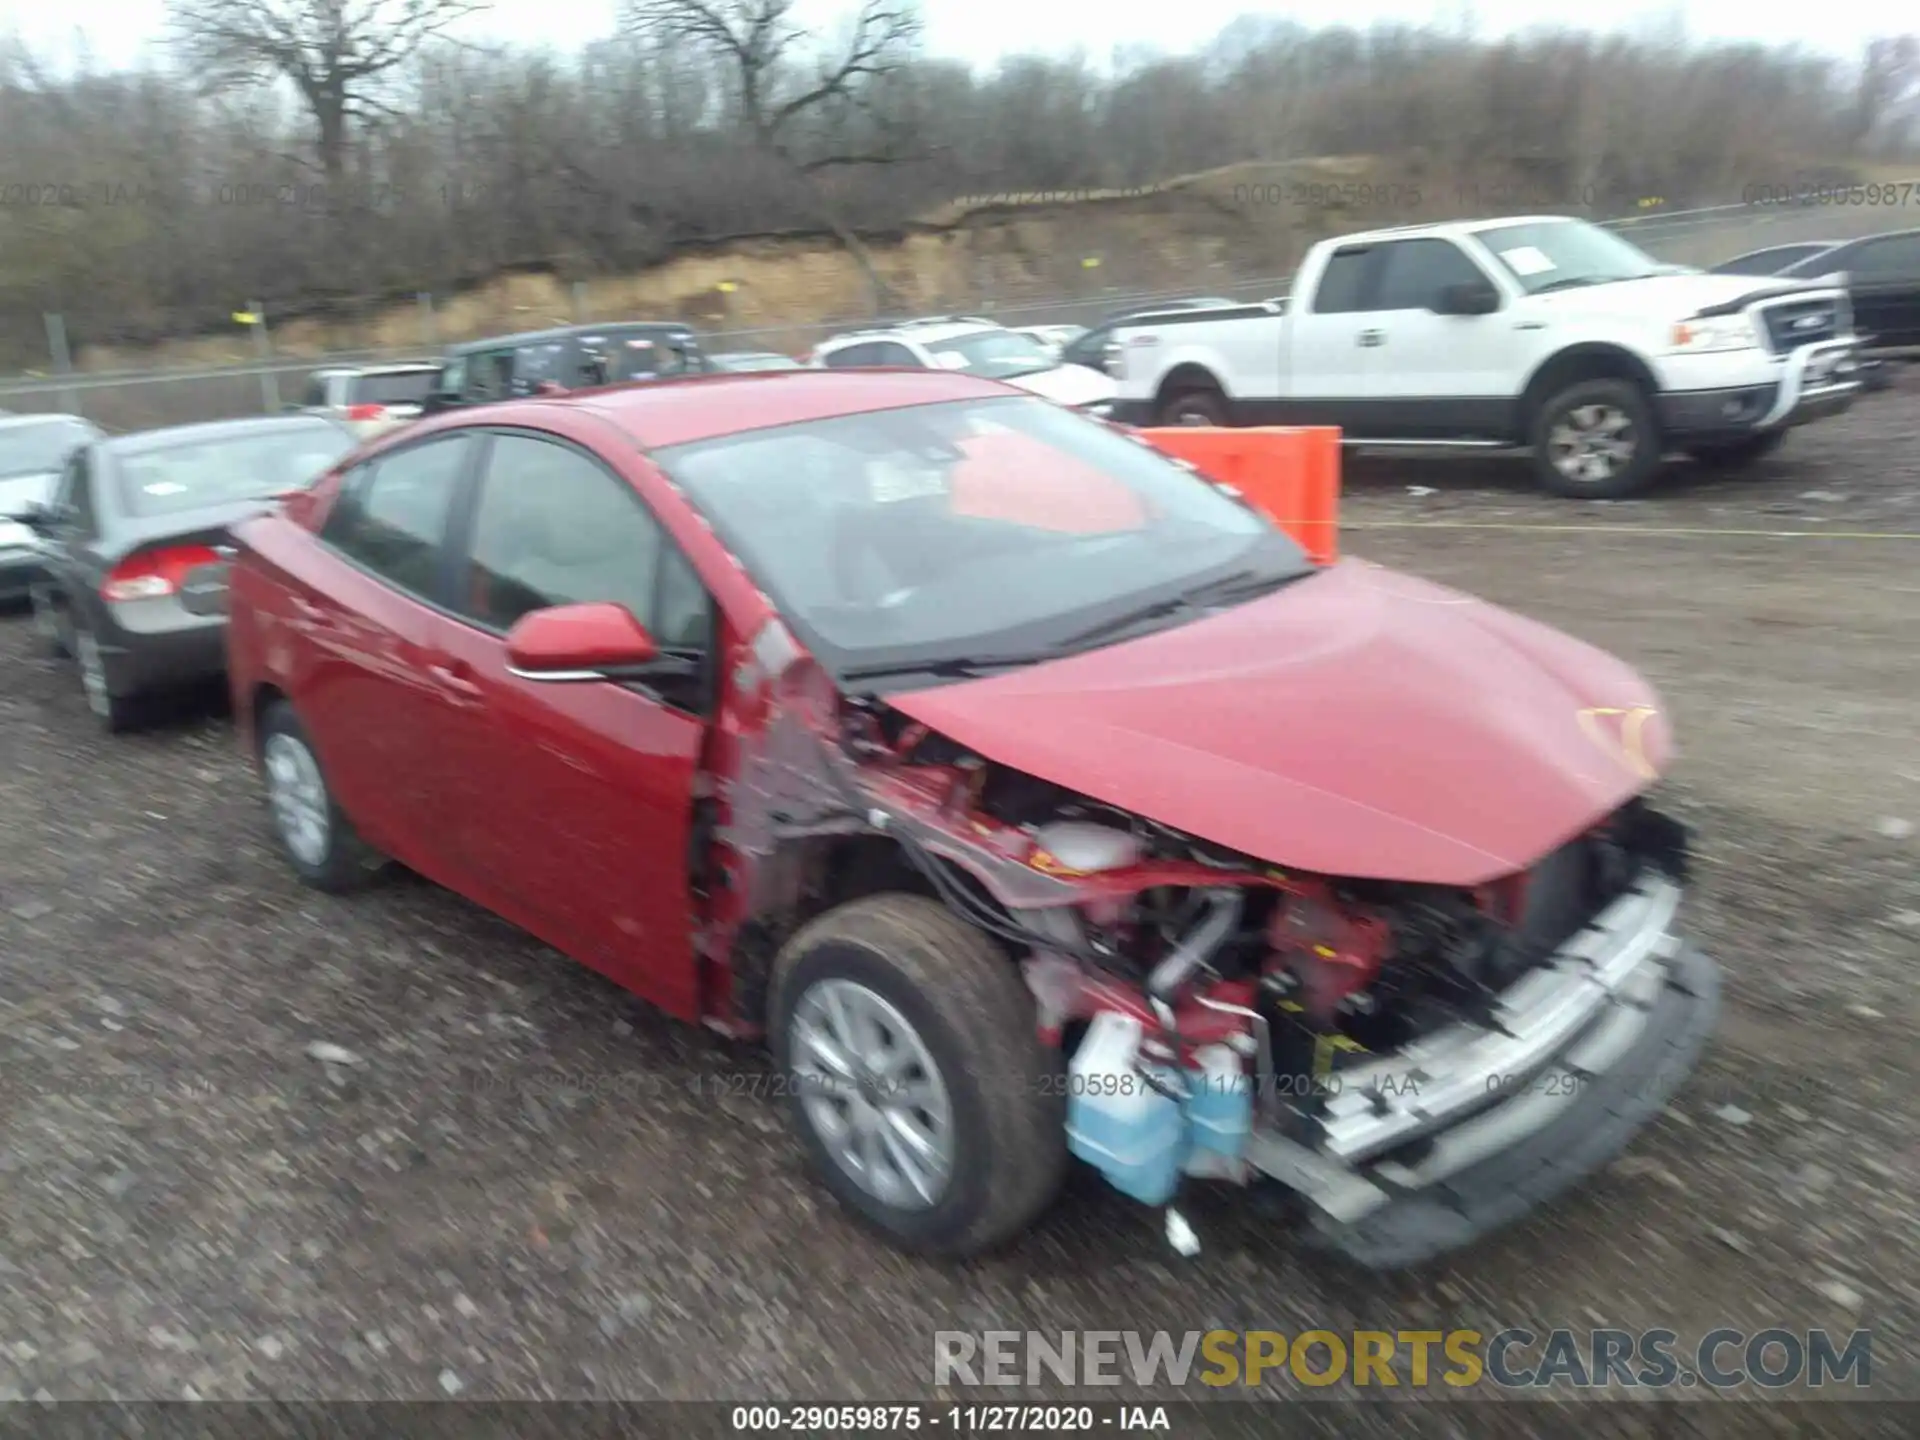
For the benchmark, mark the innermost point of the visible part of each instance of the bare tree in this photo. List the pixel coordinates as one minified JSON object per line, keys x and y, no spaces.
{"x":333,"y":51}
{"x":799,"y":115}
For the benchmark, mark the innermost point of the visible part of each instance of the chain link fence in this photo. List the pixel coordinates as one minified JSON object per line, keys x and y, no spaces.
{"x":252,"y":378}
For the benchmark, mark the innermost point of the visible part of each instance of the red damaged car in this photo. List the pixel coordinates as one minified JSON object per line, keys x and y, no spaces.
{"x":1032,"y":796}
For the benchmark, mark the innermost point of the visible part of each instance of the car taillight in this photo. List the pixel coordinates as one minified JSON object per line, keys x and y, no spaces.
{"x":366,"y":412}
{"x":155,"y":574}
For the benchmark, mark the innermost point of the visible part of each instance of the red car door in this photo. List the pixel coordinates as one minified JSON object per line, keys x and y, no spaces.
{"x":361,"y":606}
{"x":575,"y":799}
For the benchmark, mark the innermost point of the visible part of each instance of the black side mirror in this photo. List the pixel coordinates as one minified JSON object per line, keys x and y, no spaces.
{"x":1469,"y":299}
{"x":439,"y":400}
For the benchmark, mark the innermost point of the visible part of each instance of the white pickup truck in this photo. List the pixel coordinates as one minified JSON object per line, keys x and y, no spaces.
{"x":1536,"y":332}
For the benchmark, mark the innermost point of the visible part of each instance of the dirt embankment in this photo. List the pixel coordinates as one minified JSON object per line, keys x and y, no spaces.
{"x":1231,"y":226}
{"x":1239,"y":223}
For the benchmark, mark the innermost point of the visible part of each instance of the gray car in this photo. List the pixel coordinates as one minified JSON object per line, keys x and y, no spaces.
{"x":32,"y":450}
{"x":134,"y":525}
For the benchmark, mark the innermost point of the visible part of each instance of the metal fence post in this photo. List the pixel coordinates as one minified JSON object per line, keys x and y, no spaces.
{"x":429,"y":322}
{"x":269,"y":382}
{"x":62,"y":359}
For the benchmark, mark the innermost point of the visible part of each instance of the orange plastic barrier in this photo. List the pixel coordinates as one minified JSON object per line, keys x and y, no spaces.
{"x":1291,"y":473}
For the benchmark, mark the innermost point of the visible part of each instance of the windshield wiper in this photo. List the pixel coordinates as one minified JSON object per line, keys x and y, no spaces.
{"x":1239,"y":585}
{"x":957,"y":667}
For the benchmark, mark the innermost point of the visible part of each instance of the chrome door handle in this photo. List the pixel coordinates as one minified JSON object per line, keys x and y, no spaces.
{"x":1373,"y":337}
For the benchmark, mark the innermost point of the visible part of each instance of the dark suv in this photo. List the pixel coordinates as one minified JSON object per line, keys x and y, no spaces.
{"x":504,"y":366}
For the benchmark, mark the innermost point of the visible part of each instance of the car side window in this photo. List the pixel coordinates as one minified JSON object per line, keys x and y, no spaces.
{"x":852,"y":357}
{"x":891,"y":352}
{"x":489,"y":376}
{"x":1895,"y":258}
{"x":316,"y":396}
{"x":81,"y":511}
{"x":1415,"y":272}
{"x":391,"y":517}
{"x":553,"y":527}
{"x":1343,"y":283}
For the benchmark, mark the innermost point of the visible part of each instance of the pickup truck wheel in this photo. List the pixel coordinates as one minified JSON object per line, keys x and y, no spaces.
{"x":918,"y":1083}
{"x":1596,"y":441}
{"x":1739,"y":452}
{"x":1199,"y":406}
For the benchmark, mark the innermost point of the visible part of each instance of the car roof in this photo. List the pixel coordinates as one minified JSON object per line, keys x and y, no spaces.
{"x":168,"y":435}
{"x":568,"y":332}
{"x":926,"y":331}
{"x":659,"y":413}
{"x":1856,"y":240}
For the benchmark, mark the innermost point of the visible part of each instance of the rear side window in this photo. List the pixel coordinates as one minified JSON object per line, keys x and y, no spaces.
{"x":392,"y":516}
{"x":404,"y":387}
{"x":1343,"y":283}
{"x":316,"y":395}
{"x":195,"y":474}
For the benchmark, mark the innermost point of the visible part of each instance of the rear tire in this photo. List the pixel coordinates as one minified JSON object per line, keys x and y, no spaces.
{"x":1197,"y":406}
{"x":1596,"y":440}
{"x":315,"y":834}
{"x":995,"y":1122}
{"x":117,"y":713}
{"x":49,"y":626}
{"x":1735,"y":453}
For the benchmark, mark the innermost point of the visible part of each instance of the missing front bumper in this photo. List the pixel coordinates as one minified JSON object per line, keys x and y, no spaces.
{"x":1426,"y":1150}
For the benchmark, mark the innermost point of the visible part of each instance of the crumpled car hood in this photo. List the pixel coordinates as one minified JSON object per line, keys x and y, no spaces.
{"x":1356,"y":723}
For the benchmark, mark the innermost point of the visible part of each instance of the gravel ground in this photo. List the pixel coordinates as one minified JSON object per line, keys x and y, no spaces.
{"x":195,"y":1201}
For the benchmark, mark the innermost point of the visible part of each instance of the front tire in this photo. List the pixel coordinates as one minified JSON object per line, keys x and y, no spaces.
{"x":314,"y":832}
{"x":919,"y":1086}
{"x":1734,"y":453}
{"x":1596,"y":440}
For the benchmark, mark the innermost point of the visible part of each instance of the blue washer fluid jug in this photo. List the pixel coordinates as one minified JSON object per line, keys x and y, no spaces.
{"x":1220,"y":1105}
{"x":1130,"y":1132}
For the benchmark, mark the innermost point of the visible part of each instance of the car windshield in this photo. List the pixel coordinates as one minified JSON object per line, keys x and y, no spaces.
{"x":996,"y":529}
{"x":1563,"y":254}
{"x":41,"y":446}
{"x":394,"y":387}
{"x":190,"y":474}
{"x":994,"y":354}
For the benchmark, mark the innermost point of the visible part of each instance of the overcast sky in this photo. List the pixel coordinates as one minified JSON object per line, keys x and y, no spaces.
{"x":981,"y":31}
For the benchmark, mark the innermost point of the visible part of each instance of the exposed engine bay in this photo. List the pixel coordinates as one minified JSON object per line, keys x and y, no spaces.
{"x":1180,"y":979}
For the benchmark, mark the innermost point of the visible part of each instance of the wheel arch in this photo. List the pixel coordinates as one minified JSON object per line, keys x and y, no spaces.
{"x":1187,"y":375}
{"x":1594,"y":360}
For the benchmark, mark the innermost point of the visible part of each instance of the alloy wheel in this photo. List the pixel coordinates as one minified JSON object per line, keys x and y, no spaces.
{"x":299,"y":798}
{"x":1592,"y":443}
{"x":871,"y":1090}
